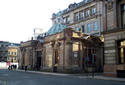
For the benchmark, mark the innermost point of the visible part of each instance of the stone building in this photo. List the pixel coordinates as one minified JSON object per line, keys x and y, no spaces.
{"x":27,"y":54}
{"x":114,"y":38}
{"x":86,"y":15}
{"x":3,"y":51}
{"x":63,"y":49}
{"x":66,"y":51}
{"x":70,"y":51}
{"x":13,"y":53}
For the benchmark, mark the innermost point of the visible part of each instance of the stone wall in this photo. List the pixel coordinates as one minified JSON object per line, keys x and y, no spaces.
{"x":111,"y":51}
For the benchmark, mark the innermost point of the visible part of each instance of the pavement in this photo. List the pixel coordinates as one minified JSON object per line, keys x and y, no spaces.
{"x":83,"y":75}
{"x":20,"y":77}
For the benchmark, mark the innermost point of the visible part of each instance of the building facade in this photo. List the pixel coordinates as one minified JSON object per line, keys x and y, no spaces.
{"x":13,"y":53}
{"x":63,"y":49}
{"x":3,"y":51}
{"x":86,"y":15}
{"x":27,"y":54}
{"x":114,"y":38}
{"x":67,"y":51}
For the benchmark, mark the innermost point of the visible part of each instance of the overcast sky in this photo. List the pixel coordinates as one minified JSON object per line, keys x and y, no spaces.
{"x":18,"y":18}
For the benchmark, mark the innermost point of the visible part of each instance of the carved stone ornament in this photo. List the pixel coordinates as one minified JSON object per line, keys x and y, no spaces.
{"x":53,"y":43}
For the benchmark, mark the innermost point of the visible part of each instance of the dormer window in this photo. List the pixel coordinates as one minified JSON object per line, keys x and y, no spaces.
{"x":59,"y":20}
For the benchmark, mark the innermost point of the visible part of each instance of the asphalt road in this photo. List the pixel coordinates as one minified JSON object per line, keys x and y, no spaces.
{"x":25,"y":78}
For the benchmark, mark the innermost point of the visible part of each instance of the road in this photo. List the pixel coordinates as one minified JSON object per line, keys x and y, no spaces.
{"x":25,"y":78}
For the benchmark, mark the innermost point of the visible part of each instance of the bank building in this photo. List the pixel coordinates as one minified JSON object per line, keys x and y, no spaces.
{"x":63,"y":49}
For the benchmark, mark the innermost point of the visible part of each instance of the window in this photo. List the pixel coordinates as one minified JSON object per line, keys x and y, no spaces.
{"x":75,"y":54}
{"x":14,"y":58}
{"x":123,"y":14}
{"x":81,"y":15}
{"x":4,"y":59}
{"x":95,"y":26}
{"x":56,"y":57}
{"x":11,"y":53}
{"x":89,"y":28}
{"x":14,"y":53}
{"x":8,"y":53}
{"x":59,"y":20}
{"x":75,"y":58}
{"x":85,"y":1}
{"x":0,"y":59}
{"x":2,"y":45}
{"x":77,"y":29}
{"x":88,"y":13}
{"x":121,"y":52}
{"x":8,"y":58}
{"x":83,"y":29}
{"x":93,"y":10}
{"x":76,"y":16}
{"x":66,"y":20}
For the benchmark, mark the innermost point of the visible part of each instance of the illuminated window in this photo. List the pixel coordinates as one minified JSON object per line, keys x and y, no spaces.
{"x":122,"y":52}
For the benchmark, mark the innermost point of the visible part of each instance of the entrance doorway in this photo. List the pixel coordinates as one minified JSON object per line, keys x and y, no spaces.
{"x":89,"y":60}
{"x":38,"y":64}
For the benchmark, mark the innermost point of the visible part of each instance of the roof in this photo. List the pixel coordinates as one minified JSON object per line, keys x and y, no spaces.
{"x":72,"y":7}
{"x":14,"y":44}
{"x":56,"y":28}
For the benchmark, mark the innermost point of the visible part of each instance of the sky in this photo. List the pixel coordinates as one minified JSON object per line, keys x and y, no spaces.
{"x":18,"y":18}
